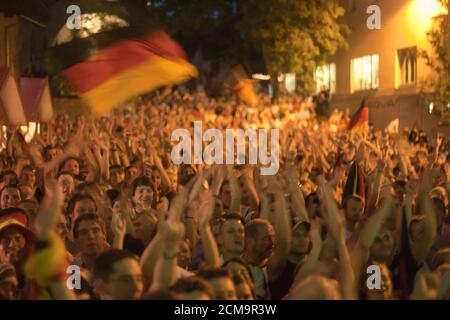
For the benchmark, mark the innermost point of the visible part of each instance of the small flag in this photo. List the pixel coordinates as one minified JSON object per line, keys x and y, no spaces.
{"x":245,"y":91}
{"x":242,"y":86}
{"x":360,"y":120}
{"x":354,"y":186}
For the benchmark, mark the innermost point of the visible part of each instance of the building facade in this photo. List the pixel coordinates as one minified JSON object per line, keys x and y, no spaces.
{"x":382,"y":65}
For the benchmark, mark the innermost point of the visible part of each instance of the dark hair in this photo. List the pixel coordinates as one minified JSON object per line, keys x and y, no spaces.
{"x":11,"y":186}
{"x":47,"y":149}
{"x":67,"y":160}
{"x":8,"y":172}
{"x":160,"y":295}
{"x":231,"y":216}
{"x":251,"y":228}
{"x":86,"y":217}
{"x":64,"y":172}
{"x":213,"y":273}
{"x":104,"y":263}
{"x":115,"y":166}
{"x":78,"y":197}
{"x":191,"y":284}
{"x":141,"y":181}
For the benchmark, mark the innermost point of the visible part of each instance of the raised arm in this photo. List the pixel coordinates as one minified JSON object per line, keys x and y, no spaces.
{"x":421,"y":248}
{"x":283,"y":234}
{"x":312,"y":259}
{"x":210,"y":249}
{"x":48,"y":264}
{"x":172,"y":232}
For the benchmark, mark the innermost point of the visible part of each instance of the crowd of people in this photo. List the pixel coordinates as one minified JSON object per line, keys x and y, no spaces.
{"x":102,"y":196}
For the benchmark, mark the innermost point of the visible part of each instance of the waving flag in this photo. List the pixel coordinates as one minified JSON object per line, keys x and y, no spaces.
{"x":114,"y":58}
{"x":243,"y":86}
{"x":360,"y":120}
{"x":354,"y":186}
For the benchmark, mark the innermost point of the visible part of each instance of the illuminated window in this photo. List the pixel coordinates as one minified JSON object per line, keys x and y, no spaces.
{"x":365,"y":73}
{"x":325,"y":76}
{"x":407,"y":61}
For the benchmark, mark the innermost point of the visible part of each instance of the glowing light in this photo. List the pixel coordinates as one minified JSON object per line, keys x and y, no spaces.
{"x":431,"y":107}
{"x":29,"y":131}
{"x":259,"y":76}
{"x":91,"y":23}
{"x":421,"y":12}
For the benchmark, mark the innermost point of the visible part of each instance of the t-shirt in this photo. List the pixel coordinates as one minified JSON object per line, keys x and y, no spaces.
{"x":280,"y":287}
{"x":260,"y":280}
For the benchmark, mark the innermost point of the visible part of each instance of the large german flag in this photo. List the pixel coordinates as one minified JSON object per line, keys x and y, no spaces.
{"x":111,"y":67}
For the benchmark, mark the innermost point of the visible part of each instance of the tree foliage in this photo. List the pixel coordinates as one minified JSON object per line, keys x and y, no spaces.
{"x":436,"y":88}
{"x":293,"y":36}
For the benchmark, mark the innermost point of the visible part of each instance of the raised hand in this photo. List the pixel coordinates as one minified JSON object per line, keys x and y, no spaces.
{"x":118,"y":225}
{"x":172,"y":232}
{"x":205,"y":208}
{"x":315,"y":232}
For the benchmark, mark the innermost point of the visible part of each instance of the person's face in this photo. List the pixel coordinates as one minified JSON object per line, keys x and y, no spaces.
{"x":300,"y":241}
{"x":30,"y":208}
{"x":232,"y":237}
{"x":82,"y":207}
{"x":264,"y":242}
{"x":28,"y":177}
{"x":116,"y":176}
{"x":223,"y":288}
{"x":8,"y":289}
{"x":383,"y":246}
{"x":354,"y":209}
{"x":131,"y":173}
{"x":10,"y":197}
{"x":385,"y":292}
{"x":61,"y":227}
{"x":184,"y":255}
{"x":126,"y":281}
{"x":244,"y":292}
{"x":144,"y":227}
{"x":194,"y":295}
{"x":9,"y":179}
{"x":67,"y":185}
{"x":26,"y":190}
{"x":72,"y":166}
{"x":51,"y":154}
{"x":156,"y":178}
{"x":143,"y":196}
{"x":12,"y":243}
{"x":91,"y":238}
